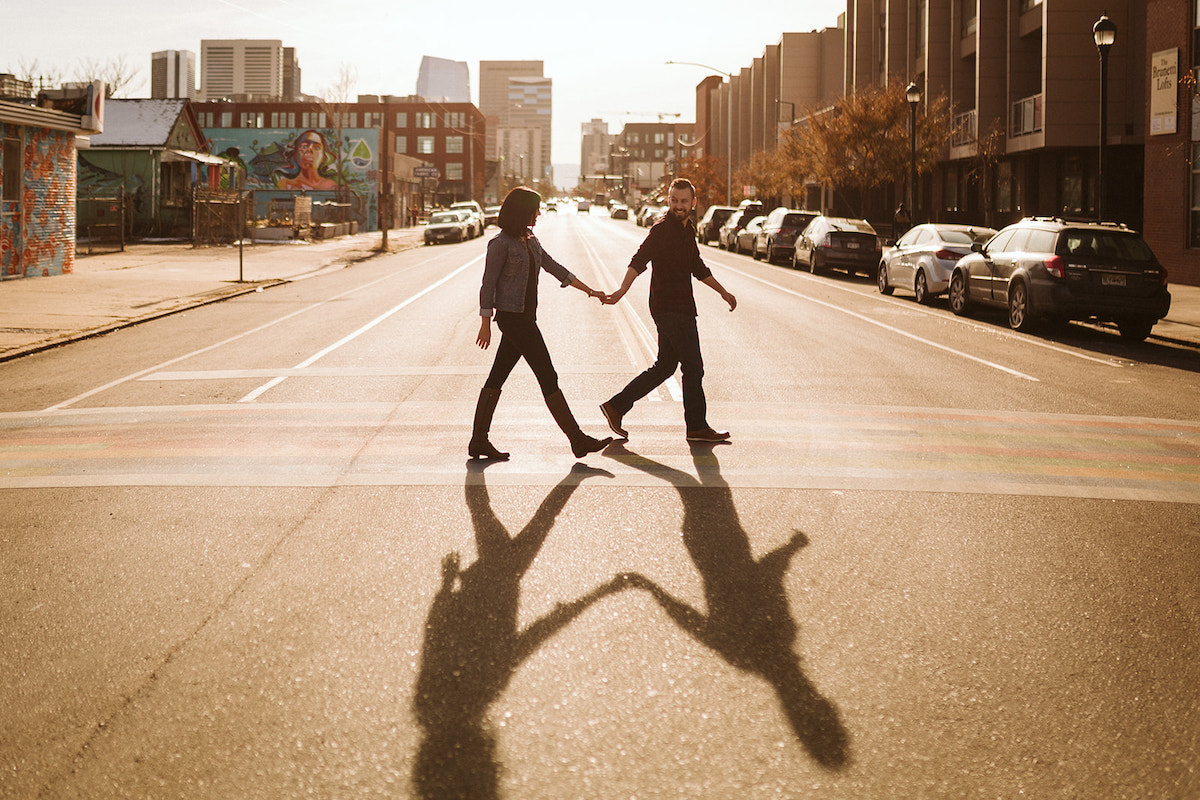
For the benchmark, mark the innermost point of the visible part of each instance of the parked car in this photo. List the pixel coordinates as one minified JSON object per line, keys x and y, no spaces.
{"x":778,"y":234}
{"x":476,"y":221}
{"x":647,"y":215}
{"x":1050,"y":268}
{"x":740,"y":218}
{"x":841,"y":242}
{"x":491,"y":215}
{"x":744,"y":242}
{"x":448,"y":226}
{"x":619,"y":211}
{"x":924,"y":257}
{"x":708,"y":229}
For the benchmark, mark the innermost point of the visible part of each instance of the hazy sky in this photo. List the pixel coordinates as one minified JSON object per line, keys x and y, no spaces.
{"x":606,"y":58}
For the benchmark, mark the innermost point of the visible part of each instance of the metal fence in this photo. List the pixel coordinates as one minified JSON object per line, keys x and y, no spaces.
{"x":219,"y":216}
{"x":100,"y":222}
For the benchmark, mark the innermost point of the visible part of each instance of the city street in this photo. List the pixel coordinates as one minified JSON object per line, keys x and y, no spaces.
{"x":243,"y":553}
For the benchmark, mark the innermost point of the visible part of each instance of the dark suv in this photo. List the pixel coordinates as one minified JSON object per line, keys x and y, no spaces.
{"x":1051,"y":268}
{"x":710,"y":224}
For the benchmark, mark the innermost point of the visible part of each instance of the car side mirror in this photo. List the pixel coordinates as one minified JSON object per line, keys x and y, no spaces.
{"x":889,"y":242}
{"x":977,"y":247}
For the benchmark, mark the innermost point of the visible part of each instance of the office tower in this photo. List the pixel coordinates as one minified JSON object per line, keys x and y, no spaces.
{"x":517,"y":100}
{"x":443,"y":80}
{"x":241,"y":67}
{"x":291,"y":75}
{"x":173,"y":74}
{"x":596,"y":144}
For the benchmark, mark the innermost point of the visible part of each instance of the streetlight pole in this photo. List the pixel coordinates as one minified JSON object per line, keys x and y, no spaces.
{"x":913,"y":95}
{"x":1105,"y":33}
{"x":728,"y":126}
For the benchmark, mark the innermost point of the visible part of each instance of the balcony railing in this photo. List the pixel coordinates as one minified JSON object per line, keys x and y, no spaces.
{"x":966,"y":128}
{"x":1026,"y":116}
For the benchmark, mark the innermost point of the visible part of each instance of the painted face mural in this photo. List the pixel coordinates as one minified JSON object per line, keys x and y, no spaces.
{"x":306,"y":163}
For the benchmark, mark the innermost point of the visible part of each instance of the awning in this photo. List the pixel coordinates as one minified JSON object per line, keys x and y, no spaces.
{"x":191,"y":155}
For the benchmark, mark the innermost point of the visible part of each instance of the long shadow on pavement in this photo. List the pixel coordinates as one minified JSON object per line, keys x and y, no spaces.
{"x":749,"y":623}
{"x":473,"y":645}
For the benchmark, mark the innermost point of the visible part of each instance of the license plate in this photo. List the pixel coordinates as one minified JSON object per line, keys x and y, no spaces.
{"x":851,"y":245}
{"x":1112,"y":280}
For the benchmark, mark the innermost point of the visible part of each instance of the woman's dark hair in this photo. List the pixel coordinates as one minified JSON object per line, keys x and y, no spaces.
{"x":517,"y":210}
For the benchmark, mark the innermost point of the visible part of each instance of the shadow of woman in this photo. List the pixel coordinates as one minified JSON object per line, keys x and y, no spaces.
{"x":473,"y":645}
{"x":749,"y":623}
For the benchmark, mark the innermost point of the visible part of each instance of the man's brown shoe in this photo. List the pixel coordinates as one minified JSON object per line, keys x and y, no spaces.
{"x":707,"y":435}
{"x":614,"y":419}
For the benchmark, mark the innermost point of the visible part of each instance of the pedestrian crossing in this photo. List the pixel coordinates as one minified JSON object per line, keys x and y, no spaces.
{"x":775,"y":445}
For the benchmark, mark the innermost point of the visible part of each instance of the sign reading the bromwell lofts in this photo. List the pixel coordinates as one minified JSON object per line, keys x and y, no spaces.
{"x":1164,"y":80}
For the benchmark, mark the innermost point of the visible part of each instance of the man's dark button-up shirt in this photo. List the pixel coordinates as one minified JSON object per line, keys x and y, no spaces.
{"x":671,"y":249}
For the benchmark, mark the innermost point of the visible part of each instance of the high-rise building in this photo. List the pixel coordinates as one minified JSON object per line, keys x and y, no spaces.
{"x":516,"y":99}
{"x":595,"y":148}
{"x":241,"y":68}
{"x":173,"y":75}
{"x":291,"y":76}
{"x":443,"y":80}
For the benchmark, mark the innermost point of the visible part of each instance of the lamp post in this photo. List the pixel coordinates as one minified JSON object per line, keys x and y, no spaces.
{"x":1105,"y":33}
{"x":913,"y":95}
{"x":728,"y":126}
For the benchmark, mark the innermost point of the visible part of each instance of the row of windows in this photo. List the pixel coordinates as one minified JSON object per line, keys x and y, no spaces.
{"x":426,"y":145}
{"x":455,"y":120}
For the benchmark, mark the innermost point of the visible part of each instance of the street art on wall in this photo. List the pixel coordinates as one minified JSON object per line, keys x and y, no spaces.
{"x":318,"y":162}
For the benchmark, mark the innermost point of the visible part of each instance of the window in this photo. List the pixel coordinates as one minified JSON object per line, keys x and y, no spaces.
{"x":425,"y":144}
{"x":174,"y":184}
{"x":226,"y":119}
{"x":454,"y":171}
{"x":251,"y":119}
{"x":401,"y":119}
{"x":11,"y":166}
{"x":454,"y":144}
{"x":372,"y":120}
{"x":969,"y":17}
{"x":312,"y":119}
{"x":425,"y":119}
{"x":456,"y":119}
{"x":402,"y":144}
{"x":1195,"y":189}
{"x":1004,"y":187}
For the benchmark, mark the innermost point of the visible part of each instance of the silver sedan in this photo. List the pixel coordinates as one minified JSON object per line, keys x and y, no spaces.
{"x":924,"y":257}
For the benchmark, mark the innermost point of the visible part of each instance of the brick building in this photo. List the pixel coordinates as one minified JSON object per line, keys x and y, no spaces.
{"x":359,"y":145}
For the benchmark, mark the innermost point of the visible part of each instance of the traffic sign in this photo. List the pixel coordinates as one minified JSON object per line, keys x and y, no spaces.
{"x":426,"y":171}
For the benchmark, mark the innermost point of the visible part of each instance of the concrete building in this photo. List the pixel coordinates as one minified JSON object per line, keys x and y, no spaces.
{"x":443,"y":80}
{"x":173,"y":75}
{"x":242,"y":68}
{"x":595,"y":147}
{"x":517,"y":101}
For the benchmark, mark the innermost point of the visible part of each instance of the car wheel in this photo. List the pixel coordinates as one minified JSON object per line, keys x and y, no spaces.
{"x":812,"y":263}
{"x":921,"y":288}
{"x":1019,"y":318}
{"x":960,"y":300}
{"x":795,"y":261}
{"x":882,"y":279}
{"x":1135,"y":330}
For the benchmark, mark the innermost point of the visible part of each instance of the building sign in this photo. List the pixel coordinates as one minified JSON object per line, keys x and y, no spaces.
{"x":1164,"y":91}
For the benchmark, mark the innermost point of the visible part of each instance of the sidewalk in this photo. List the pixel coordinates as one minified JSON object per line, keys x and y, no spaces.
{"x":111,"y":291}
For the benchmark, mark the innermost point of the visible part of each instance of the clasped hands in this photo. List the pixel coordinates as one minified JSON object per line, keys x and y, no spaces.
{"x":607,"y":299}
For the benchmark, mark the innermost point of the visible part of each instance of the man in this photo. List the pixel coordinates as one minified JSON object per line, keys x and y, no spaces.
{"x":671,"y":250}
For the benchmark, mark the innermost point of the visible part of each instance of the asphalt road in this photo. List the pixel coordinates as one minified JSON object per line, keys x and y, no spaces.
{"x":242,"y":554}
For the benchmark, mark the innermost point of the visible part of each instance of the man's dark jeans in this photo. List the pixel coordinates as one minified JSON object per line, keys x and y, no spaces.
{"x":678,"y":346}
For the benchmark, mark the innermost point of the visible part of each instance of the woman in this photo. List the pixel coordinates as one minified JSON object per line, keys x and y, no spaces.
{"x":515,"y":259}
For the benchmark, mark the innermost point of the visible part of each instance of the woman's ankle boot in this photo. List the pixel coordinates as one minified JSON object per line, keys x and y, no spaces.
{"x":581,"y":443}
{"x":480,"y":447}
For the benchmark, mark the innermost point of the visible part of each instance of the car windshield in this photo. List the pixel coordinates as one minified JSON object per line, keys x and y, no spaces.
{"x":443,"y":219}
{"x":796,"y":220}
{"x":1105,"y":244}
{"x":860,"y":225}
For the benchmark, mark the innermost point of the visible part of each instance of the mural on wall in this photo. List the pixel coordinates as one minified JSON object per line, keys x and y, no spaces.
{"x":281,"y":161}
{"x":37,"y":235}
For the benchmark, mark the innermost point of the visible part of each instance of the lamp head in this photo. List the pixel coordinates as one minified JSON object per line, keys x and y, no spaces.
{"x":1104,"y":32}
{"x":913,"y":94}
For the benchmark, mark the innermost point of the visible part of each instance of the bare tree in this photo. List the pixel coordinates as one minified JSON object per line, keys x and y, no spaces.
{"x":336,"y":99}
{"x":118,"y":75}
{"x":41,"y":77}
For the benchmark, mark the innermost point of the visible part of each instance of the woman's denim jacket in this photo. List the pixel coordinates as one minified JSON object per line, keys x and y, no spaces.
{"x":506,"y":271}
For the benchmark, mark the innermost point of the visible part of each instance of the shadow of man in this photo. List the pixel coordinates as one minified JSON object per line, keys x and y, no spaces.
{"x":473,"y":645}
{"x":749,"y":622}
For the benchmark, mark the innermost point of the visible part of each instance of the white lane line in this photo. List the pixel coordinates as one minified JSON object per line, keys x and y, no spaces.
{"x":885,"y":326}
{"x":639,"y":329}
{"x":913,"y":307}
{"x":254,"y":395}
{"x":157,"y":367}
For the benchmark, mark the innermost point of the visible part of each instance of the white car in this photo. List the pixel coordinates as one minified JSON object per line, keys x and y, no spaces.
{"x":476,"y":212}
{"x":924,"y":257}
